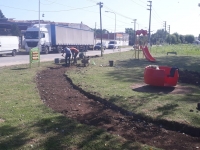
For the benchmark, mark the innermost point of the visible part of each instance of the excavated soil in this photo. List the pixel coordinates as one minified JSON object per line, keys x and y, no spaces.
{"x":58,"y":92}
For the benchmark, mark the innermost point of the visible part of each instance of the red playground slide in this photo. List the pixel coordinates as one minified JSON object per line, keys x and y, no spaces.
{"x":147,"y":54}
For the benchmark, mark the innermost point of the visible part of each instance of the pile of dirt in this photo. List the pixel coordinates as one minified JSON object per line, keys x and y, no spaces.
{"x":59,"y":93}
{"x":189,"y":77}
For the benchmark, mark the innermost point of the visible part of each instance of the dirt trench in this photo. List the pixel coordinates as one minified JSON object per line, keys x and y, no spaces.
{"x":58,"y":92}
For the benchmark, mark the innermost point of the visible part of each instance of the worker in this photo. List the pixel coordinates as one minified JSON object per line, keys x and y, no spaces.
{"x":74,"y":53}
{"x":68,"y":55}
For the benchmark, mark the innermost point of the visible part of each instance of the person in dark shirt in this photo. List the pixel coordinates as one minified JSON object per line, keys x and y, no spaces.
{"x":68,"y":55}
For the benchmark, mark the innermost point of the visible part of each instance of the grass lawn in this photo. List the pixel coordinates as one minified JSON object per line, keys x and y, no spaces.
{"x":114,"y":83}
{"x":26,"y":123}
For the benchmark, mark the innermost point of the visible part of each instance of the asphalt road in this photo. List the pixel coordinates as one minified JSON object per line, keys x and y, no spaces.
{"x":23,"y":58}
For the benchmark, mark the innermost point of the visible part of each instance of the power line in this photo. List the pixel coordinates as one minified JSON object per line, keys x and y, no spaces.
{"x":70,"y":9}
{"x":143,"y":2}
{"x":47,"y":11}
{"x":154,"y":11}
{"x":153,"y":14}
{"x":114,"y":11}
{"x":19,"y":8}
{"x":49,"y":3}
{"x":138,"y":4}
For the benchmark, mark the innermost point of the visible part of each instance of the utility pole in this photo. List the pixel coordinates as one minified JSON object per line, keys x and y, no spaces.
{"x":134,"y":30}
{"x":169,"y":28}
{"x":165,"y":25}
{"x":39,"y":47}
{"x":150,"y":2}
{"x":134,"y":33}
{"x":100,"y":6}
{"x":94,"y":35}
{"x":165,"y":29}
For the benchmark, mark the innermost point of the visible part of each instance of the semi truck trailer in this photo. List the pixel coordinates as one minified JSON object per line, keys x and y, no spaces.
{"x":54,"y":37}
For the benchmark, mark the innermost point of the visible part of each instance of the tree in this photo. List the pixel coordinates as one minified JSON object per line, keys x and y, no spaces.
{"x":182,"y":38}
{"x":130,"y":32}
{"x":15,"y":30}
{"x":177,"y":38}
{"x":189,"y":38}
{"x":199,"y":37}
{"x":2,"y":15}
{"x":98,"y":31}
{"x":158,"y":37}
{"x":169,"y":39}
{"x":173,"y":39}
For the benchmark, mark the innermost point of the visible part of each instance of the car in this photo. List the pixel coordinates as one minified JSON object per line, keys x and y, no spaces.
{"x":98,"y":46}
{"x":112,"y":45}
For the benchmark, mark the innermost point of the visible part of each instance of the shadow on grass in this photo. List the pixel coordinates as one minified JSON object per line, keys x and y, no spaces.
{"x":154,"y":89}
{"x":132,"y":70}
{"x":19,"y":68}
{"x":60,"y":66}
{"x":69,"y":134}
{"x":167,"y":109}
{"x":11,"y":137}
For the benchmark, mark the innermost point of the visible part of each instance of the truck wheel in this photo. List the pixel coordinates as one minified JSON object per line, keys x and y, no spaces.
{"x":59,"y":49}
{"x":14,"y":53}
{"x":46,"y":51}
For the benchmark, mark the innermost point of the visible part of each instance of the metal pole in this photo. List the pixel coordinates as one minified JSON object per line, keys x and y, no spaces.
{"x":100,"y":6}
{"x":94,"y":36}
{"x":115,"y":25}
{"x":150,"y":22}
{"x":39,"y":29}
{"x":134,"y":30}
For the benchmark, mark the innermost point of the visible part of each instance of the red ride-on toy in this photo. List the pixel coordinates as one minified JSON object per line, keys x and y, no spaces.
{"x":161,"y":75}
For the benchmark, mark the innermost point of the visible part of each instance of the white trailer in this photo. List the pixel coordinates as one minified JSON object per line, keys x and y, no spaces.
{"x":9,"y":45}
{"x":54,"y":37}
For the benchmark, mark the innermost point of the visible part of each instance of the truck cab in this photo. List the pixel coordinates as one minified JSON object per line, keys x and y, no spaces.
{"x":32,"y":38}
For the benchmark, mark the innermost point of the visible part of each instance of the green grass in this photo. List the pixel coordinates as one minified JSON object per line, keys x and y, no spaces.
{"x":114,"y":83}
{"x":26,"y":123}
{"x":181,"y":49}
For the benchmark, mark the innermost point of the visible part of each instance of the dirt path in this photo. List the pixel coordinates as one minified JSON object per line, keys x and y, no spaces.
{"x":61,"y":95}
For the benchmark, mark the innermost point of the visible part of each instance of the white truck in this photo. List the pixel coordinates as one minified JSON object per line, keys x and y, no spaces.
{"x":54,"y":37}
{"x":9,"y":45}
{"x":112,"y":45}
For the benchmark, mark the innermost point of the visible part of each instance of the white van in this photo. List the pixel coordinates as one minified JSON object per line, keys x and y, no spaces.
{"x":112,"y":45}
{"x":9,"y":45}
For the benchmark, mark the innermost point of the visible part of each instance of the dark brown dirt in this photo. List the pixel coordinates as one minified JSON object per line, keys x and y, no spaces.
{"x":59,"y":93}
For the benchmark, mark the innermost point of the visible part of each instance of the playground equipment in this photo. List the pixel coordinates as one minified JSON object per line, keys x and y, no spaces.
{"x":141,"y":45}
{"x":161,"y":75}
{"x":147,"y":54}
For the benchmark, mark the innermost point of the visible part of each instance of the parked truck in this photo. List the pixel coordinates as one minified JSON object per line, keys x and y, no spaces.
{"x":54,"y":37}
{"x":9,"y":45}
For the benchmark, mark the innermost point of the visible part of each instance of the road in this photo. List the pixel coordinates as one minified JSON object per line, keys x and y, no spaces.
{"x":23,"y":58}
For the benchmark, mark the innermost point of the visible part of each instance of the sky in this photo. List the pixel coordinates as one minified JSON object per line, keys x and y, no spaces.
{"x":183,"y":16}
